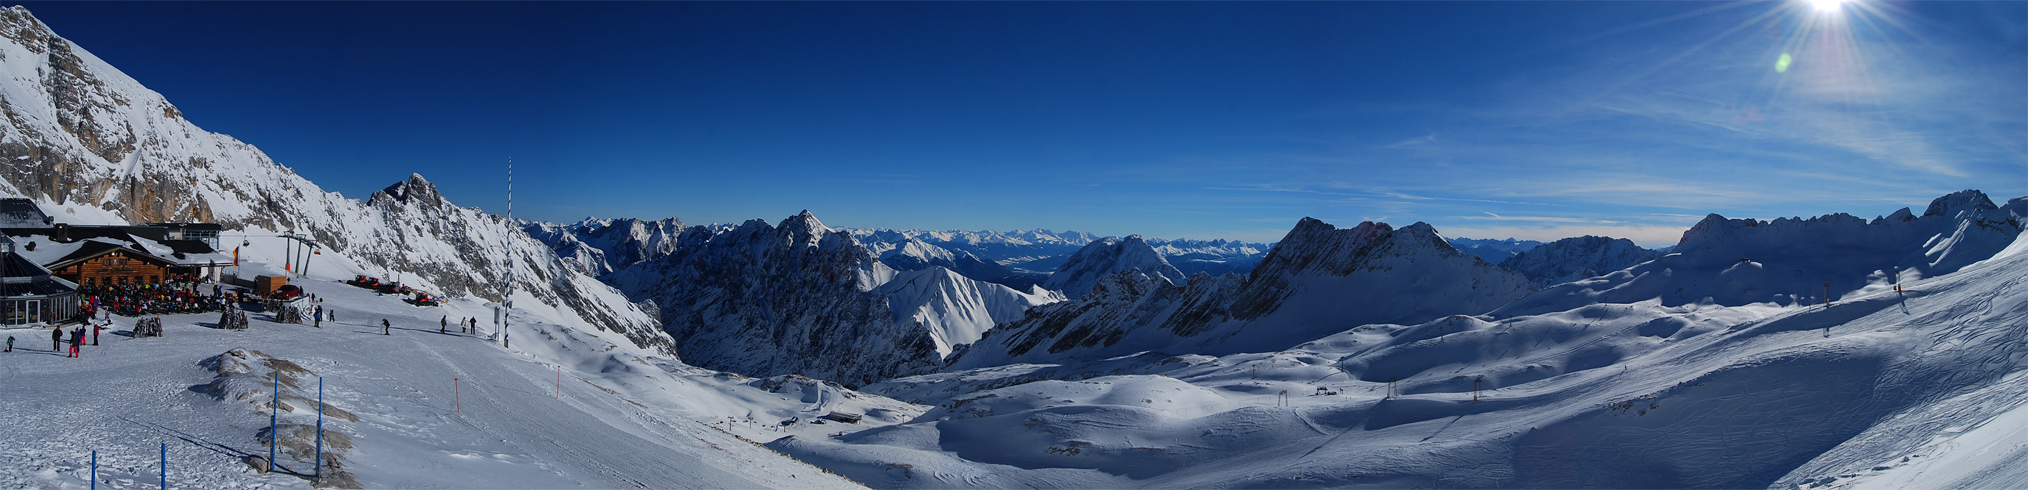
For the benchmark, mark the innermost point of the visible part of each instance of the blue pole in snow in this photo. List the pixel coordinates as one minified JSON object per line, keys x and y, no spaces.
{"x":319,"y":462}
{"x":274,"y":416}
{"x":165,"y":466}
{"x":95,"y":470}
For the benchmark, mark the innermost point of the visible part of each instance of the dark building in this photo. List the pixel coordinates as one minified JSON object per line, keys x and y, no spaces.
{"x":29,"y":294}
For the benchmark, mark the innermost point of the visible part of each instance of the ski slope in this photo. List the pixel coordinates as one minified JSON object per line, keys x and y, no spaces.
{"x":564,"y":408}
{"x":1883,"y":389}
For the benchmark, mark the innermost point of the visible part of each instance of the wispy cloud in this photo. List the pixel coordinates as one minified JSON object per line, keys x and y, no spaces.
{"x":1490,"y":216}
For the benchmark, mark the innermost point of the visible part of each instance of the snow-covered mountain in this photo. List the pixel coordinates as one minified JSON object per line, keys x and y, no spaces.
{"x":1576,"y":258}
{"x":1106,"y":257}
{"x":1215,"y":257}
{"x":1038,"y":253}
{"x":1791,"y":261}
{"x":802,"y":298}
{"x":954,"y":309}
{"x":92,"y":145}
{"x":1885,"y":389}
{"x":913,"y":254}
{"x":1317,"y":280}
{"x":1493,"y":251}
{"x":598,"y":247}
{"x":1030,"y":252}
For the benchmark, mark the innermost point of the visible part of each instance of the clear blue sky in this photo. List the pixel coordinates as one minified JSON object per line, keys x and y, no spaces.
{"x":1204,"y":120}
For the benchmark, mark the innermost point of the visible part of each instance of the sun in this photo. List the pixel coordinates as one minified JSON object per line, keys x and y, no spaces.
{"x":1826,"y":6}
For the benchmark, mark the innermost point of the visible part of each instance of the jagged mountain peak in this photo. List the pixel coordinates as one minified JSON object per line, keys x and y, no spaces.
{"x":1105,"y":257}
{"x":415,"y":189}
{"x":1961,"y":201}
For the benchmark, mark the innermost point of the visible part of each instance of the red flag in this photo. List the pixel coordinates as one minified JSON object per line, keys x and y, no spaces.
{"x":235,"y":256}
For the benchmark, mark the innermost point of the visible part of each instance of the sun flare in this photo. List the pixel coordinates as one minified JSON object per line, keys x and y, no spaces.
{"x":1826,"y":6}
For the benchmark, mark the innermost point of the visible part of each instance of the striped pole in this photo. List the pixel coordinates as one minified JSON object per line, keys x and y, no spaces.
{"x":319,"y":462}
{"x":274,"y":417}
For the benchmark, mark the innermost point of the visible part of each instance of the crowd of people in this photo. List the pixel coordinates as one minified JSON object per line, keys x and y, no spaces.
{"x":153,"y":299}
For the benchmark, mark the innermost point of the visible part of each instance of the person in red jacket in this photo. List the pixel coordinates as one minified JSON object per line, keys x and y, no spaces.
{"x":95,"y":334}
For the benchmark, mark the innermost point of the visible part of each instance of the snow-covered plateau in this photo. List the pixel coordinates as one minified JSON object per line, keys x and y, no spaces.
{"x":1830,"y":352}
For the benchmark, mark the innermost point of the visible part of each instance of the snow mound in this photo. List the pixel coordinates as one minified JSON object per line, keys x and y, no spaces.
{"x":265,"y":383}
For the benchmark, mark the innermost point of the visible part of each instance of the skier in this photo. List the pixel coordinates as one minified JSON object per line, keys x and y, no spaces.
{"x":444,"y":324}
{"x":76,"y":337}
{"x":384,"y":328}
{"x":10,"y":344}
{"x":95,"y":334}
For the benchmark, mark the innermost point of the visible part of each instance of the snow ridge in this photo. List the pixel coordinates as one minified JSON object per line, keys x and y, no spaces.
{"x":1576,"y":258}
{"x":598,"y":246}
{"x":1108,"y":256}
{"x":914,"y":254}
{"x":1790,"y":261}
{"x":1317,"y":280}
{"x":1493,"y":251}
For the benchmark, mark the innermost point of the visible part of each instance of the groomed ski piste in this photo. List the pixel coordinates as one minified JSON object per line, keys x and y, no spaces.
{"x":561,"y":407}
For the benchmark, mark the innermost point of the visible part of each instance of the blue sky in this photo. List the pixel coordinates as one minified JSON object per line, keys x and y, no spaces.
{"x":1535,"y":120}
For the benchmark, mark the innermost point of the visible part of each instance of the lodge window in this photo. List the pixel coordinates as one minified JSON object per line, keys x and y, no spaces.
{"x":154,"y":279}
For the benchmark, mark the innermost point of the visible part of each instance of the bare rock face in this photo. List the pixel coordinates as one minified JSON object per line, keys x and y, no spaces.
{"x":768,"y":300}
{"x":802,"y":298}
{"x":598,"y":246}
{"x":79,"y":133}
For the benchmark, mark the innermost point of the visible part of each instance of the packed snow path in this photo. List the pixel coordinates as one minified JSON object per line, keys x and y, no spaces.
{"x":506,"y":427}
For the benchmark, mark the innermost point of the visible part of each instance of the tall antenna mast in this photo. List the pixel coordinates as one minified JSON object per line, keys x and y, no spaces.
{"x":507,"y":302}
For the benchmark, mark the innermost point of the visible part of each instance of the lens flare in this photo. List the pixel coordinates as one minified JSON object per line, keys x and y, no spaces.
{"x":1826,"y":6}
{"x":1782,"y":63}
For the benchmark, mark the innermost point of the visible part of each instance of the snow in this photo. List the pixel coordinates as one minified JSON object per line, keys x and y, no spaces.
{"x":622,"y":419}
{"x":1109,"y":256}
{"x":1364,"y":356}
{"x":1622,"y":394}
{"x":955,"y":309}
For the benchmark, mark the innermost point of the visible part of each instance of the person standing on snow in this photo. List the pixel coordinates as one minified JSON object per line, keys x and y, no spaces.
{"x":384,"y":327}
{"x":56,"y":340}
{"x":76,"y":337}
{"x":10,"y":344}
{"x":95,"y":334}
{"x":444,"y":324}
